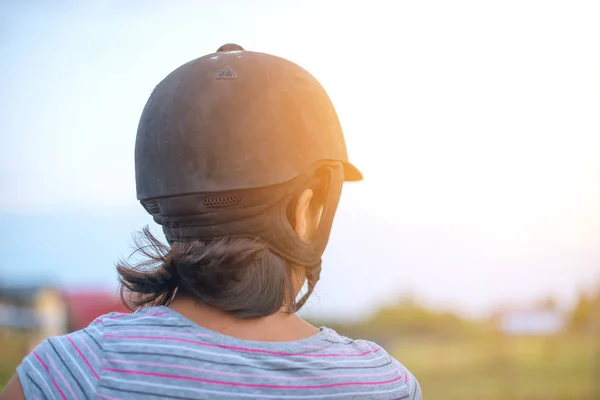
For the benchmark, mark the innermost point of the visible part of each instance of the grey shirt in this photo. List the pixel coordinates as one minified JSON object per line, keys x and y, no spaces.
{"x":156,"y":353}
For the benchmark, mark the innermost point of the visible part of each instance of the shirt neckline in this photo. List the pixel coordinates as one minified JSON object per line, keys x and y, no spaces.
{"x":310,"y":344}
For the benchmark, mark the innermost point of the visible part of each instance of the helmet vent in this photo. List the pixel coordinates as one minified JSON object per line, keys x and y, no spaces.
{"x":152,"y":207}
{"x":222,"y":202}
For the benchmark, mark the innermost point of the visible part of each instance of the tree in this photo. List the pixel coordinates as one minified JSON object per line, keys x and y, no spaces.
{"x":586,"y":312}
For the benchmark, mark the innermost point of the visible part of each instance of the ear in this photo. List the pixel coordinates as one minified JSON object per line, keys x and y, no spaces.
{"x":301,"y":214}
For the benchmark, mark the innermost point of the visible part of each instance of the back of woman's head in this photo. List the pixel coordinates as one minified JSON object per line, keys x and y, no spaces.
{"x":238,"y":275}
{"x":227,"y":148}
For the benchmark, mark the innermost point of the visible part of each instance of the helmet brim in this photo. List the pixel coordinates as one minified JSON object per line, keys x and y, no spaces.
{"x":351,"y":173}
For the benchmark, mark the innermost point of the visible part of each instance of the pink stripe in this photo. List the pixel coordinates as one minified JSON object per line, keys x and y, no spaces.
{"x":51,"y":378}
{"x":103,"y":396}
{"x":253,"y":385}
{"x":274,"y":353}
{"x":165,"y":332}
{"x":118,"y":316}
{"x":61,"y":375}
{"x":311,"y":377}
{"x":90,"y":350}
{"x":83,"y":357}
{"x":160,"y":313}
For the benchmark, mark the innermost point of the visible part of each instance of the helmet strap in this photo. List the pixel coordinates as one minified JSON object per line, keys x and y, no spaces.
{"x":261,"y":214}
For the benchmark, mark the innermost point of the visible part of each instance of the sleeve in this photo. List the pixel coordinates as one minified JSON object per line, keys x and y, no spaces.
{"x":64,"y":367}
{"x":414,"y":389}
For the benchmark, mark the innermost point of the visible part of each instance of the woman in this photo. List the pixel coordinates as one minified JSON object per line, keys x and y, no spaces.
{"x":240,"y":157}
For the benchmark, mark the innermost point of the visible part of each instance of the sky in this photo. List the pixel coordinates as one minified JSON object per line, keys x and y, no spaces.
{"x":476,"y":125}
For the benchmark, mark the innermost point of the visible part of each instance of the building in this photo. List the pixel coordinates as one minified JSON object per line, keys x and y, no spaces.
{"x":530,"y":321}
{"x":84,"y":306}
{"x":43,"y":311}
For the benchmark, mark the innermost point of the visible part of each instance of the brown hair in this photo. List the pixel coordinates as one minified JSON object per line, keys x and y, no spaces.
{"x":240,"y":276}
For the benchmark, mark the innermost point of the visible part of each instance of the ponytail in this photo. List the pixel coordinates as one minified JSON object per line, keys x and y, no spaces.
{"x":236,"y":275}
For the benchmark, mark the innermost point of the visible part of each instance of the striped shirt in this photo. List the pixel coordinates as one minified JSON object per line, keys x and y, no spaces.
{"x":156,"y":353}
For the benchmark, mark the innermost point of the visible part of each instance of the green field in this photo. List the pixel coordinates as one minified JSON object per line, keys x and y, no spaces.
{"x":12,"y":347}
{"x":482,"y":368}
{"x":565,"y":367}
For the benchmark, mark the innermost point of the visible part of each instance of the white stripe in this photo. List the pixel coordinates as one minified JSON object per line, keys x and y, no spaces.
{"x":93,"y":388}
{"x":403,"y":391}
{"x":242,"y":358}
{"x":96,"y":328}
{"x":265,"y":376}
{"x":50,"y":391}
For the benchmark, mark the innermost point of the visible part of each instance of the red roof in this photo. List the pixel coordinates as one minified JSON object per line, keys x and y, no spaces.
{"x":84,"y":306}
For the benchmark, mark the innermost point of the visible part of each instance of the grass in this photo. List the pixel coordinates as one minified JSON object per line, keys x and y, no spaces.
{"x":12,"y":345}
{"x":482,"y":368}
{"x":504,"y":368}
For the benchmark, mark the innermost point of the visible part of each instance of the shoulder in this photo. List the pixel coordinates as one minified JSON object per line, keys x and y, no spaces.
{"x":392,"y":369}
{"x":136,"y":325}
{"x":65,"y":366}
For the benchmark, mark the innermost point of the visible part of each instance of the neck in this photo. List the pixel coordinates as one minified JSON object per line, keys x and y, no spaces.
{"x":278,"y":327}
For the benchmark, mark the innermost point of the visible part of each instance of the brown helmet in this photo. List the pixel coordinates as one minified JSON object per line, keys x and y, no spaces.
{"x":225,"y":142}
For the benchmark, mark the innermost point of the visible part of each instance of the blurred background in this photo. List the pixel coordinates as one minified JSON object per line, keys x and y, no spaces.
{"x":471,"y":250}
